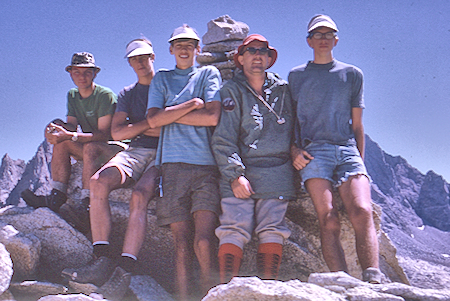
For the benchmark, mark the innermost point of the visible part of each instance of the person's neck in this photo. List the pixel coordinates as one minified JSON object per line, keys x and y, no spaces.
{"x":146,"y":80}
{"x":256,"y":81}
{"x":323,"y":58}
{"x":86,"y":92}
{"x":184,"y":67}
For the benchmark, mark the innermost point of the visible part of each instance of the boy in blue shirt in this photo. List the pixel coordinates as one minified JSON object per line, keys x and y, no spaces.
{"x":185,"y":102}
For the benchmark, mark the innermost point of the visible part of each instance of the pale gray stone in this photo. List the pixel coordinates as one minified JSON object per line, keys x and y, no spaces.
{"x":62,"y":246}
{"x":84,"y":288}
{"x":37,"y":288}
{"x":224,"y":28}
{"x":210,"y":57}
{"x":25,"y":250}
{"x":425,"y":274}
{"x":224,"y":46}
{"x":413,"y":293}
{"x":224,"y":65}
{"x":367,"y":294}
{"x":6,"y":269}
{"x":335,"y":278}
{"x":253,"y":288}
{"x":146,"y":288}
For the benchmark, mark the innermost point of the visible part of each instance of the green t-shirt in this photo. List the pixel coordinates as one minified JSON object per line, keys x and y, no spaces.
{"x":88,"y":110}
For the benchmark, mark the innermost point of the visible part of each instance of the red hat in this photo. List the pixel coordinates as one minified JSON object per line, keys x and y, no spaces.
{"x":255,"y":37}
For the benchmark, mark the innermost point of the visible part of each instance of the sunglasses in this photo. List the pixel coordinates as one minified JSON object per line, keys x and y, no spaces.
{"x":253,"y":50}
{"x":319,"y":35}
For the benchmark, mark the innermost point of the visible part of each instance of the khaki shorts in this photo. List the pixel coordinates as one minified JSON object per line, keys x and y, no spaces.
{"x":132,"y":162}
{"x":187,"y":188}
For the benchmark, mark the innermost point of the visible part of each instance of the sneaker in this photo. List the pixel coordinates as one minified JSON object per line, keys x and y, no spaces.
{"x":96,"y":272}
{"x":52,"y":201}
{"x":77,"y":215}
{"x":116,"y":286}
{"x":372,"y":275}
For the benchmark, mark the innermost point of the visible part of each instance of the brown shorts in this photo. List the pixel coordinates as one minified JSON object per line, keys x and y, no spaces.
{"x":187,"y":188}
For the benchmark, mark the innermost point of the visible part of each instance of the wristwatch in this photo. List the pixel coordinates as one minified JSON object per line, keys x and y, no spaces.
{"x":75,"y":137}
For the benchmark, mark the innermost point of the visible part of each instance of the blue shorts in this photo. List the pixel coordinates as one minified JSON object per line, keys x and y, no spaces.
{"x":335,"y":163}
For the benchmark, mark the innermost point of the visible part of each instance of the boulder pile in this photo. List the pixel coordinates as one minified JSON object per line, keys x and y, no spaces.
{"x":220,"y":42}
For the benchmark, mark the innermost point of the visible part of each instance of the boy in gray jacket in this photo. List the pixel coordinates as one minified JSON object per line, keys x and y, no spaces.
{"x":251,"y":145}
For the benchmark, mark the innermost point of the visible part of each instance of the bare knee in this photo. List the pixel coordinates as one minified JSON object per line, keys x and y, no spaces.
{"x":202,"y":244}
{"x":139,"y":201}
{"x":106,"y":180}
{"x":360,"y":214}
{"x":329,"y":222}
{"x":90,"y":149}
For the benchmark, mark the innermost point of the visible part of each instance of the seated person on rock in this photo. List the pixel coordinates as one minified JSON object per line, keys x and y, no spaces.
{"x":133,"y":166}
{"x":91,"y":107}
{"x":185,"y":102}
{"x":329,"y":147}
{"x":251,"y":145}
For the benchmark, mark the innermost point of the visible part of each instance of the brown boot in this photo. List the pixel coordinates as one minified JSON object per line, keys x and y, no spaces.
{"x":230,"y":257}
{"x":268,"y":260}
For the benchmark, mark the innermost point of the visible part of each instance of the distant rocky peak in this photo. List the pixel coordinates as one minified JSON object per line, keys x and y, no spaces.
{"x":433,"y":204}
{"x":10,"y":173}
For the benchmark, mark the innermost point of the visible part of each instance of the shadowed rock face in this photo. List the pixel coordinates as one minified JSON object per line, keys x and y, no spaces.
{"x":433,"y":204}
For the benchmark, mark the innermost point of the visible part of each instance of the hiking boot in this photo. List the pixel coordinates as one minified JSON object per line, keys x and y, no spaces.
{"x":372,"y":275}
{"x":77,"y":215}
{"x":116,"y":286}
{"x":96,"y":271}
{"x":53,"y":201}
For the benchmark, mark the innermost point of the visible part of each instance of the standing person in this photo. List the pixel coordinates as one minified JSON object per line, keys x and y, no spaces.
{"x":134,"y":166}
{"x":252,"y":148}
{"x":185,"y":102}
{"x":90,"y":106}
{"x":329,"y":148}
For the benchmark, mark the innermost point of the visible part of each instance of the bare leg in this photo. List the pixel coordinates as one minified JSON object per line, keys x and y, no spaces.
{"x":322,"y":196}
{"x":100,"y":214}
{"x":60,"y":165}
{"x":143,"y":192}
{"x":95,"y":154}
{"x":205,"y":224}
{"x":182,"y":233}
{"x":355,"y":194}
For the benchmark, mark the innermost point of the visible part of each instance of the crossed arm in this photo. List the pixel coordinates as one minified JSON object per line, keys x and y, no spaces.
{"x":121,"y":129}
{"x":193,"y":112}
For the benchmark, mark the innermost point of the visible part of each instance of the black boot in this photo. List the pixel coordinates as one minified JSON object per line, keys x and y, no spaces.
{"x":53,"y":201}
{"x":77,"y":215}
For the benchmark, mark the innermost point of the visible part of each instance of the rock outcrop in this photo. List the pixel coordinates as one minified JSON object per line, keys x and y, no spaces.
{"x":337,"y":286}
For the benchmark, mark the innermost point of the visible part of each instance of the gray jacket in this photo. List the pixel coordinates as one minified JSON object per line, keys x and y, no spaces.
{"x":254,"y":141}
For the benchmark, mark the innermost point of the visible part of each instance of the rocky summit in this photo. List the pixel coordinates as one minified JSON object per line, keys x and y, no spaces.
{"x":412,"y":218}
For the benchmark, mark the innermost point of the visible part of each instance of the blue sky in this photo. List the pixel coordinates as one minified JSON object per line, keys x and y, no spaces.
{"x":402,"y":47}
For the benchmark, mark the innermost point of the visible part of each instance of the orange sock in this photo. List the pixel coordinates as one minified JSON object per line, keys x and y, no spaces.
{"x":268,"y":260}
{"x":230,"y":257}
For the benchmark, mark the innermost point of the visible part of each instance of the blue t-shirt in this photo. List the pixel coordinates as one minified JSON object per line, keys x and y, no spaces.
{"x":180,"y":142}
{"x":324,"y":95}
{"x":133,"y":101}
